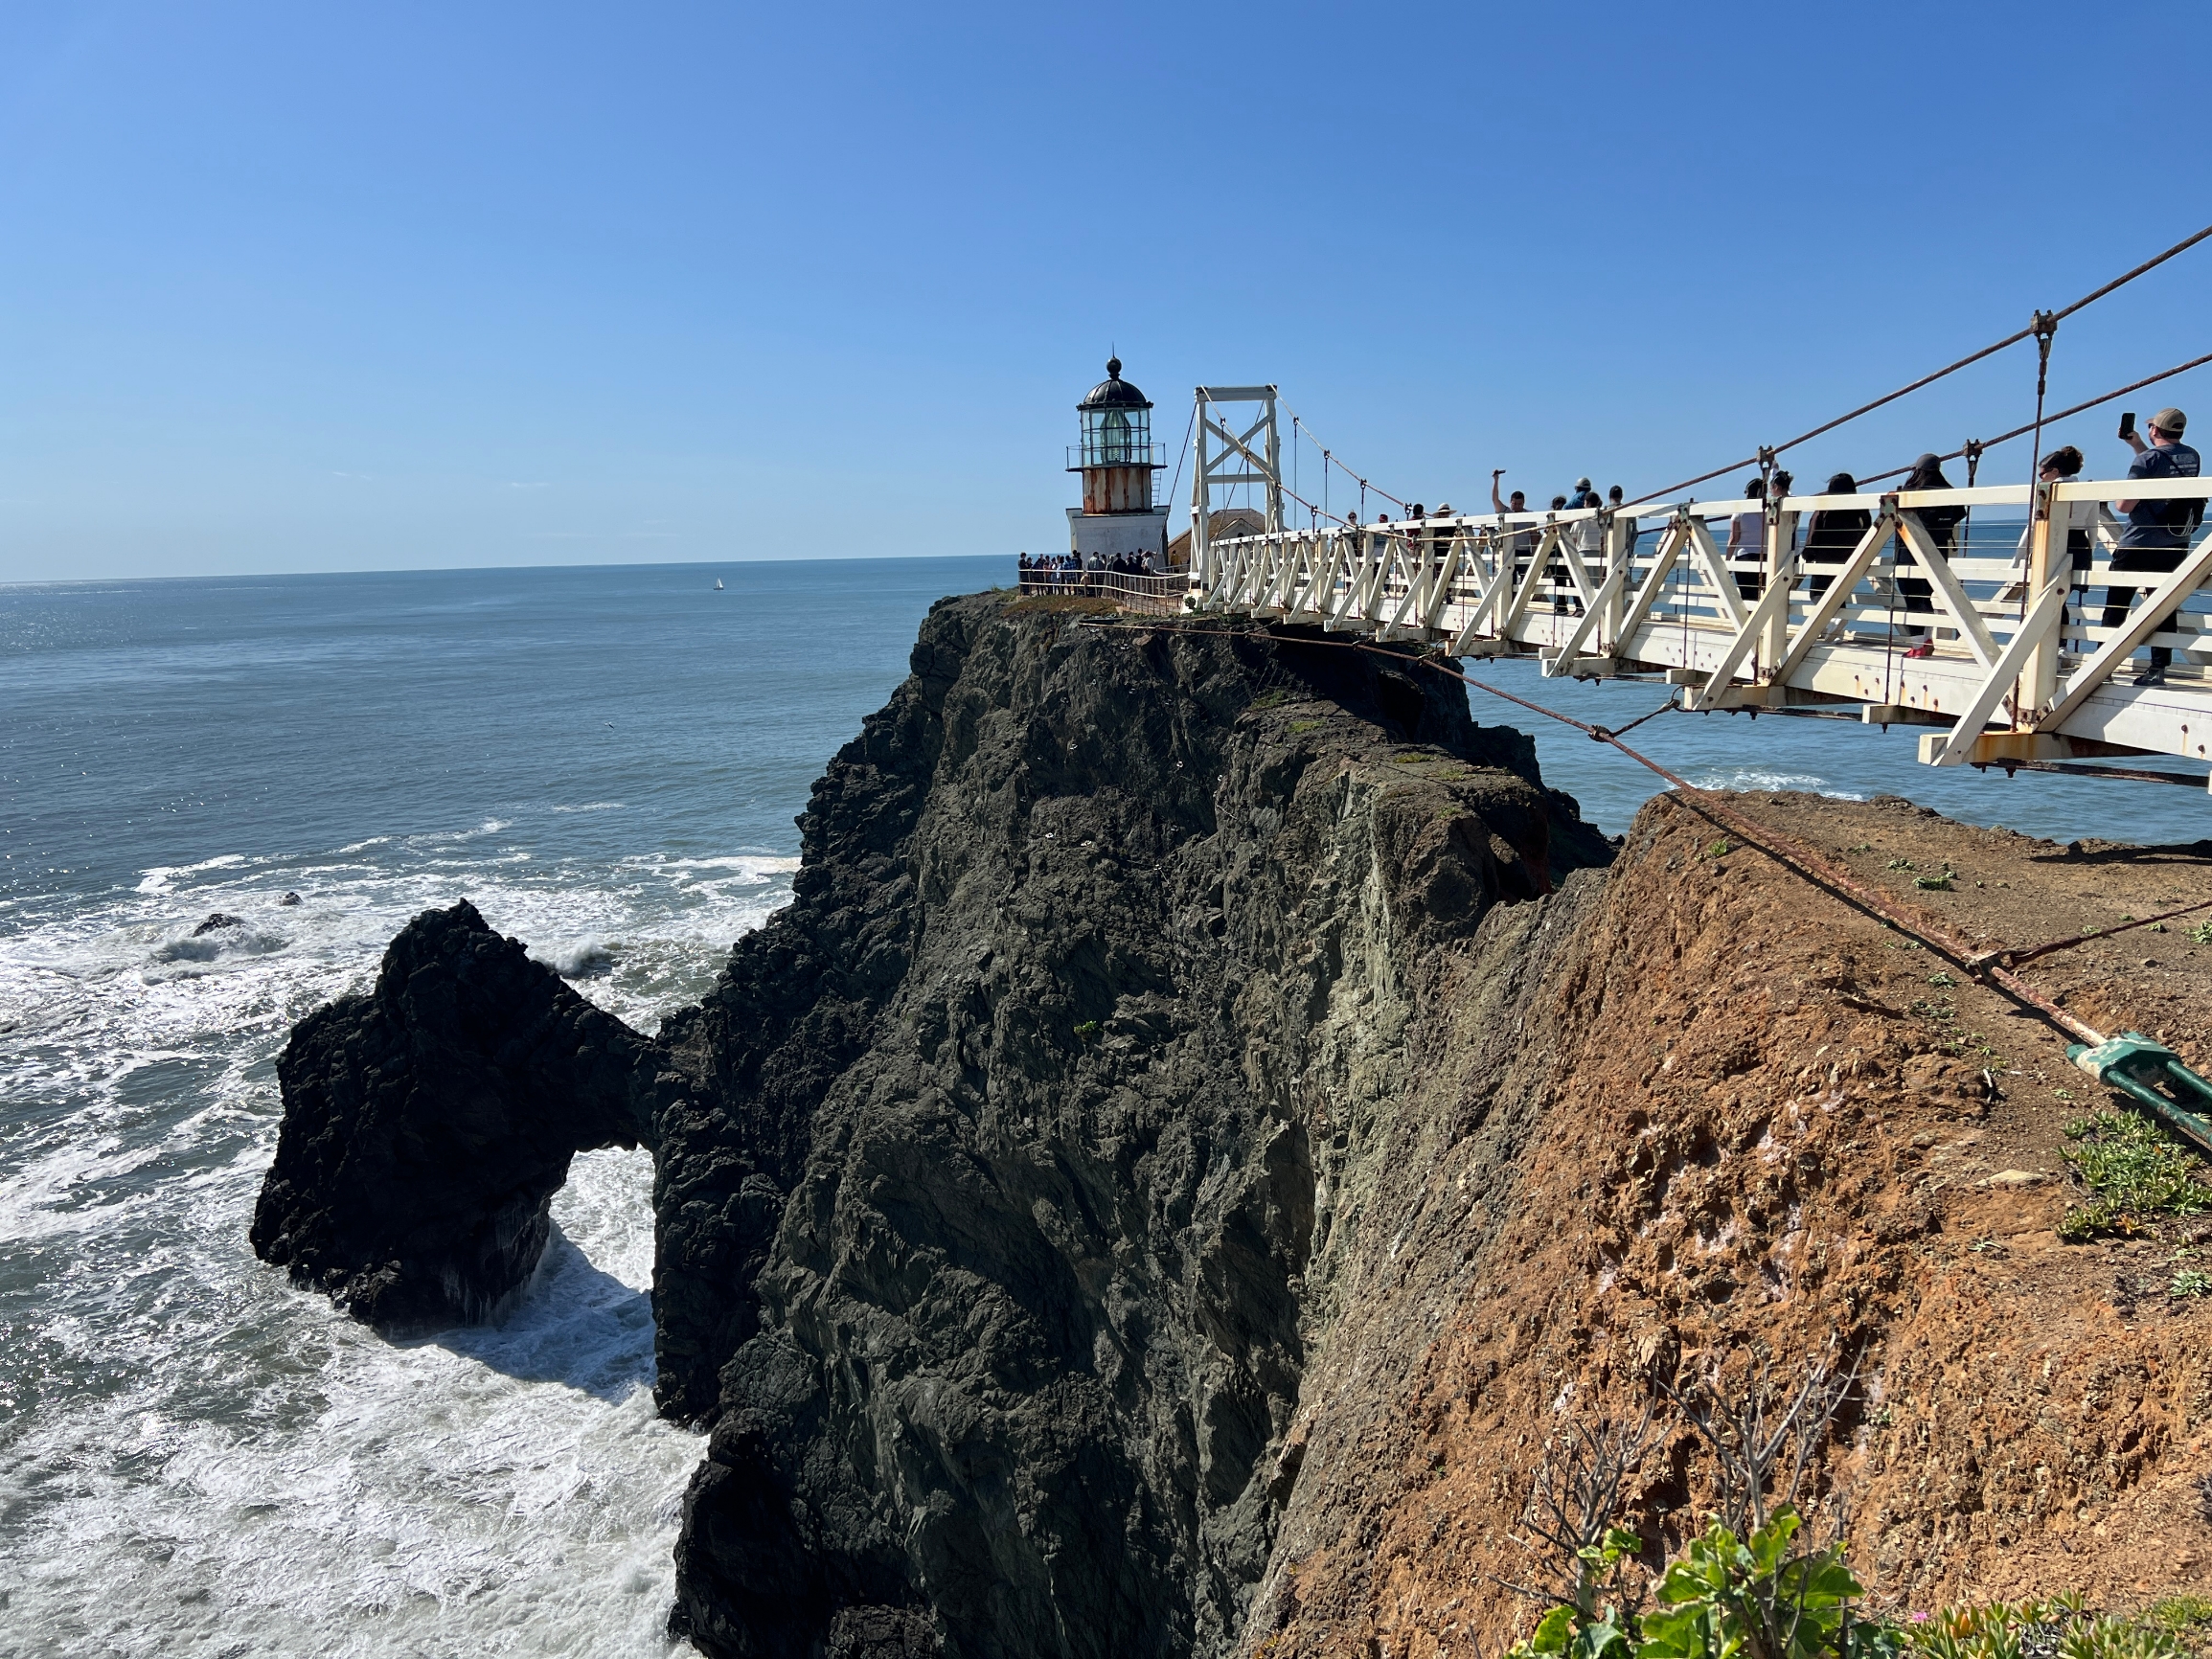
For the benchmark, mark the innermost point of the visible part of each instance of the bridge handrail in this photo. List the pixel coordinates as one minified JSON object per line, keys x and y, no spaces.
{"x":1908,"y":500}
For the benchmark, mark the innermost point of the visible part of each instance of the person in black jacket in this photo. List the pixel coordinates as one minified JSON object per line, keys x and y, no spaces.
{"x":1942,"y":526}
{"x":1831,"y":534}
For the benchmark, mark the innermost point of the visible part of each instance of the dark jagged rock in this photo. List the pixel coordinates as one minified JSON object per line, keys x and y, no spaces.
{"x":289,"y":901}
{"x":428,"y":1124}
{"x":215,"y":922}
{"x":1001,"y":1178}
{"x":1095,"y":936}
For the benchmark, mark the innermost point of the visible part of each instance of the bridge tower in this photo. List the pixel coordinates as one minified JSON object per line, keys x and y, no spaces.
{"x":1227,"y":458}
{"x":1117,"y":461}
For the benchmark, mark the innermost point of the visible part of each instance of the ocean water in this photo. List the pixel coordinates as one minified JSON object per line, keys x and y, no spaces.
{"x":198,"y":1459}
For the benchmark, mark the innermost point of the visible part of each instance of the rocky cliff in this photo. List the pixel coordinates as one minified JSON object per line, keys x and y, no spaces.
{"x":1207,"y":1108}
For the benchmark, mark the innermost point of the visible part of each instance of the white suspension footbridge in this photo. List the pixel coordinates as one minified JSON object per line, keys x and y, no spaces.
{"x":2015,"y":649}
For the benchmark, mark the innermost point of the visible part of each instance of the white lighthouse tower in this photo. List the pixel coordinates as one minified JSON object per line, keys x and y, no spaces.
{"x":1117,"y":461}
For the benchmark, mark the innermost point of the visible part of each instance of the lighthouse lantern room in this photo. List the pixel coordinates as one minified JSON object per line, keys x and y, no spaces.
{"x":1117,"y":460}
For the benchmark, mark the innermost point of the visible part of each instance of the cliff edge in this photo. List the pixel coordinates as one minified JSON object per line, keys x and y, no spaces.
{"x":1207,"y":1111}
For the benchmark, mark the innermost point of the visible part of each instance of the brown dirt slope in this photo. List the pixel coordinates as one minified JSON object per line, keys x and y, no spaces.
{"x":1714,"y":1111}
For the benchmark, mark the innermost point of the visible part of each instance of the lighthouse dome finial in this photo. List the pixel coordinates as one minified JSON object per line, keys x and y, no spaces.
{"x":1113,"y":368}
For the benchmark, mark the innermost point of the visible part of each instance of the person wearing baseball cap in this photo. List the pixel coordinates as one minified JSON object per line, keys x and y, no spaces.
{"x":2157,"y":532}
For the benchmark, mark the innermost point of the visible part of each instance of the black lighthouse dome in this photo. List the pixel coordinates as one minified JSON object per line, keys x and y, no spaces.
{"x":1114,"y":392}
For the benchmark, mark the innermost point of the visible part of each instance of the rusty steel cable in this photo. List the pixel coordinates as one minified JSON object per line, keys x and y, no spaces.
{"x":1788,"y":851}
{"x":2013,"y":958}
{"x":1784,"y":849}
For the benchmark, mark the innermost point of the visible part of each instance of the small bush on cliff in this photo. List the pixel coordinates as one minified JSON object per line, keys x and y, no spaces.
{"x":2061,"y":1628}
{"x":2135,"y":1173}
{"x":1754,"y":1585}
{"x":1725,"y":1596}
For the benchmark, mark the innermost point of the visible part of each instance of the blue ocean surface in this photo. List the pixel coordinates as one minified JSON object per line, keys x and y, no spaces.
{"x":196,"y":1458}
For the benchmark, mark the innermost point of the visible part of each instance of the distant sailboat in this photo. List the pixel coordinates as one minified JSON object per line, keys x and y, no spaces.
{"x":718,"y":585}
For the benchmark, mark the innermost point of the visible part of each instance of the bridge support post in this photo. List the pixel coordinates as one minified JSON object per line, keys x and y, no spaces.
{"x":2039,"y":685}
{"x":1226,"y":457}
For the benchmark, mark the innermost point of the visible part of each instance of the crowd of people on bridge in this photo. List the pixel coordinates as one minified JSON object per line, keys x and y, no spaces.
{"x":2151,"y":535}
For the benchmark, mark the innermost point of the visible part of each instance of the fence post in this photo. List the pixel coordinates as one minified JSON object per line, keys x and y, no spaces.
{"x":2039,"y":685}
{"x":1781,"y":532}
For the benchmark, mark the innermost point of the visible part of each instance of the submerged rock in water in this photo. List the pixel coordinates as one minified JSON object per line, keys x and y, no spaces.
{"x":428,"y":1124}
{"x":215,"y":922}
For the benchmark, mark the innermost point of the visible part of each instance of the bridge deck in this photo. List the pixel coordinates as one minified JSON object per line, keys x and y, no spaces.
{"x":2022,"y":667}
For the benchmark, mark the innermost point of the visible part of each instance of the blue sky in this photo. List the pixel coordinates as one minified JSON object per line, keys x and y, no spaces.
{"x":310,"y":287}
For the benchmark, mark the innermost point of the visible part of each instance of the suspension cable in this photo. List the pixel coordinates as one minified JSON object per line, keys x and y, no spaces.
{"x":1329,"y":454}
{"x":1784,"y":849}
{"x":2061,"y":415}
{"x":2012,"y":339}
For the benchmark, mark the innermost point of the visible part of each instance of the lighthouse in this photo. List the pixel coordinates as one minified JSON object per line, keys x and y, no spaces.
{"x":1117,"y":461}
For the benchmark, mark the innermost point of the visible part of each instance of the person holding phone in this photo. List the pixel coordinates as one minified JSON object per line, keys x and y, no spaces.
{"x":2157,"y":532}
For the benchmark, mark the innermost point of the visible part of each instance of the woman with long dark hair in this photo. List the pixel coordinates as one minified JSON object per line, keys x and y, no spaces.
{"x":1942,"y":526}
{"x":1831,"y":534}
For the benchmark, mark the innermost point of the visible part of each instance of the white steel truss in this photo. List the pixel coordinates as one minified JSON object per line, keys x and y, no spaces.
{"x":1228,"y":457}
{"x":2009,"y":672}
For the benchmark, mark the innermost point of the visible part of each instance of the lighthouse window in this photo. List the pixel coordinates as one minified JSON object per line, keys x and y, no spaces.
{"x":1116,"y":437}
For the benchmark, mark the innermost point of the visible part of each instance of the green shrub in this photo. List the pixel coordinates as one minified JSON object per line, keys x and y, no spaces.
{"x":1587,"y":1629}
{"x":2177,"y":1613}
{"x":2135,"y":1173}
{"x":2061,"y":1628}
{"x":1724,"y":1596}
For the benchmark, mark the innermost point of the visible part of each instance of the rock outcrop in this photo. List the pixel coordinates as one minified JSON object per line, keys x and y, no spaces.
{"x":1205,"y":1115}
{"x":1090,"y":924}
{"x":428,"y":1124}
{"x":995,"y":1175}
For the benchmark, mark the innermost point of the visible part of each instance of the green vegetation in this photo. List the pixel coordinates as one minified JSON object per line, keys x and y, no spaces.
{"x":2177,"y":1613}
{"x":1899,"y":864}
{"x":1270,"y":699}
{"x":1941,"y":981}
{"x":1087,"y":1031}
{"x":2192,"y":1282}
{"x":1936,"y":883}
{"x":1299,"y":728}
{"x":1761,"y":1581}
{"x":2062,"y":1626}
{"x":2201,"y":933}
{"x":2135,"y":1173}
{"x":1721,"y":849}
